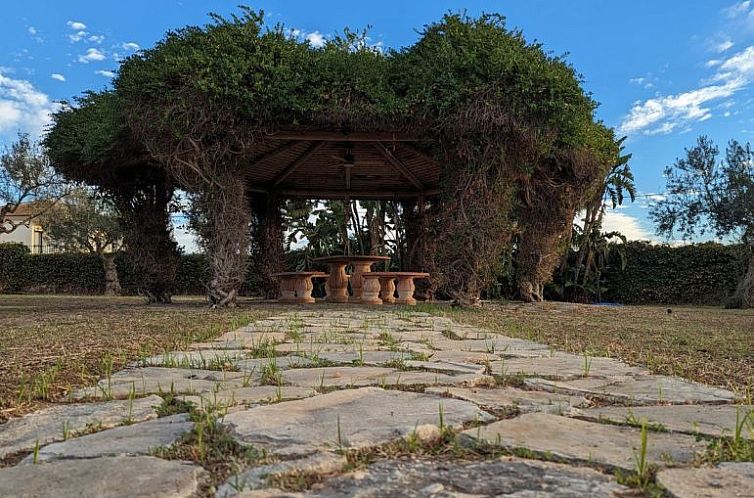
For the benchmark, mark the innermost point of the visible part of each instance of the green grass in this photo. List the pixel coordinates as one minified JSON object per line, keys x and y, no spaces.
{"x":51,"y":345}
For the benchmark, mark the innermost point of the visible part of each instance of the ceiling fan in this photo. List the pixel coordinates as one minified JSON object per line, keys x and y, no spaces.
{"x":347,"y":161}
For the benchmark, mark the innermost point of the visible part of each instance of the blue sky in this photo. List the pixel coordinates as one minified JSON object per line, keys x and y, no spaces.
{"x":663,"y":71}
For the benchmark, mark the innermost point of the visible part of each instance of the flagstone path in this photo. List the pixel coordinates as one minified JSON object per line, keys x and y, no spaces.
{"x":311,"y":387}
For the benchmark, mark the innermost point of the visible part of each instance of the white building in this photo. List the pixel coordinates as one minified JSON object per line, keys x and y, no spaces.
{"x":29,"y":233}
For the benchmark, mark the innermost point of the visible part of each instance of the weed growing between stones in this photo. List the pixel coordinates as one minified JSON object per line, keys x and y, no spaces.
{"x":210,"y":445}
{"x":271,"y":375}
{"x":171,"y":405}
{"x":738,"y":447}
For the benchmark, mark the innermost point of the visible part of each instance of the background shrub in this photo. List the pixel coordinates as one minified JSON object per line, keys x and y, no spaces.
{"x":701,"y":274}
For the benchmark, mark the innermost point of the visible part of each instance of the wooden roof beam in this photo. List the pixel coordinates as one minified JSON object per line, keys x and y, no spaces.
{"x":300,"y":160}
{"x":335,"y":136}
{"x":272,"y":153}
{"x":397,"y":164}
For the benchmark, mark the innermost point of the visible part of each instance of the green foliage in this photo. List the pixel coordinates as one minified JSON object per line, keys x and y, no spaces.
{"x":702,"y":274}
{"x":84,"y":221}
{"x":12,"y":257}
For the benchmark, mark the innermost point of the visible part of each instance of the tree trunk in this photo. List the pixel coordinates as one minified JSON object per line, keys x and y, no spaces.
{"x":225,"y":235}
{"x":148,"y":235}
{"x":112,"y":284}
{"x":267,"y":242}
{"x":744,"y":296}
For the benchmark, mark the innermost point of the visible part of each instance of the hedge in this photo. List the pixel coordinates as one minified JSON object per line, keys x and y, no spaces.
{"x":699,"y":274}
{"x":73,"y":273}
{"x":702,"y":274}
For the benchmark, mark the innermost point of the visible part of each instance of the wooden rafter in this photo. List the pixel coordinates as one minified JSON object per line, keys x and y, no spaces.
{"x":272,"y":153}
{"x":398,"y":164}
{"x":332,"y":136}
{"x":300,"y":160}
{"x":421,"y":154}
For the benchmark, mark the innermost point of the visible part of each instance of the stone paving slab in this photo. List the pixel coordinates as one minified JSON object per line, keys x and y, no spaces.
{"x":579,"y":441}
{"x":565,"y":366}
{"x":500,"y":398}
{"x":256,"y":478}
{"x":241,"y":396}
{"x":47,"y":425}
{"x":449,"y":367}
{"x":363,"y":417}
{"x":108,"y":477}
{"x":348,"y":377}
{"x":126,"y":440}
{"x":148,"y":380}
{"x":368,"y":358}
{"x":710,"y":420}
{"x":639,"y":390}
{"x":282,"y":362}
{"x":462,"y":356}
{"x":728,"y":480}
{"x":420,"y":478}
{"x":343,"y":376}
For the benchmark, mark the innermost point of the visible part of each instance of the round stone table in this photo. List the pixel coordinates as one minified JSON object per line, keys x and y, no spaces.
{"x":337,"y":284}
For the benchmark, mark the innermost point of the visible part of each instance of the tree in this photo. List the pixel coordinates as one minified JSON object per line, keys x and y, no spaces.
{"x":90,"y":143}
{"x":26,"y":177}
{"x":707,"y":195}
{"x":590,"y":247}
{"x":87,"y":221}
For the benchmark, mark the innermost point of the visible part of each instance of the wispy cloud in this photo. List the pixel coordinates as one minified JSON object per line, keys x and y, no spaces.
{"x":130,"y":46}
{"x":92,"y":55}
{"x":738,"y":9}
{"x":57,"y":76}
{"x":723,"y":46}
{"x":662,"y":115}
{"x":105,"y":73}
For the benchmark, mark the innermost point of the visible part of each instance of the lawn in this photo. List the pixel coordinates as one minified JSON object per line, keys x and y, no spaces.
{"x":705,"y":344}
{"x":50,"y":345}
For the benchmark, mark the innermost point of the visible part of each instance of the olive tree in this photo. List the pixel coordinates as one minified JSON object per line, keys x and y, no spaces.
{"x":87,"y":221}
{"x":706,"y":194}
{"x":26,"y":178}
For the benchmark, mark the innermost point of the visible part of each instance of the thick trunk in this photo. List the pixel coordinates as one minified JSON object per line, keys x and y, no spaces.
{"x":226,"y":238}
{"x":744,"y":296}
{"x":148,"y":236}
{"x":267,"y":241}
{"x":112,"y":284}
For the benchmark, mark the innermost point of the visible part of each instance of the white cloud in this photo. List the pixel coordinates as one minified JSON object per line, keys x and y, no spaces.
{"x":713,"y":62}
{"x":661,"y":115}
{"x":131,"y":46}
{"x":77,"y":37}
{"x":316,"y":38}
{"x":23,"y":107}
{"x":76,"y":25}
{"x":32,"y":30}
{"x":739,"y":64}
{"x":96,"y":38}
{"x":107,"y":74}
{"x":92,"y":54}
{"x":723,"y":46}
{"x":627,"y":225}
{"x":57,"y":76}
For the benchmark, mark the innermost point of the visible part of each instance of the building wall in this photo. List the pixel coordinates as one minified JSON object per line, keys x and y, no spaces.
{"x":30,"y":235}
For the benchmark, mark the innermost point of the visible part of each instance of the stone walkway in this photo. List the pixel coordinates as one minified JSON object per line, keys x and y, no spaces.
{"x":311,"y":388}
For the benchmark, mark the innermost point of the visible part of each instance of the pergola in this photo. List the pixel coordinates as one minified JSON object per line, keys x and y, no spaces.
{"x":317,"y":164}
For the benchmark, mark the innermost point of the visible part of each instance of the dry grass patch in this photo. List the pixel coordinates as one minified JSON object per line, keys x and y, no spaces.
{"x":710,"y":345}
{"x":50,"y":345}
